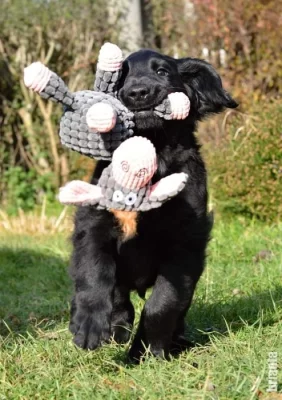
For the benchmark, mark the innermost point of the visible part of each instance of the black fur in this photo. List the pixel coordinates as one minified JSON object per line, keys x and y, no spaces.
{"x":169,"y":251}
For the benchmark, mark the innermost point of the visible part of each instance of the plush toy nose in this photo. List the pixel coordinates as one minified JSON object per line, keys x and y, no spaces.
{"x":138,"y":93}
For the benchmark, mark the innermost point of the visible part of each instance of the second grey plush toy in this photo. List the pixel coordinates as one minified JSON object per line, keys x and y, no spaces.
{"x":125,"y":185}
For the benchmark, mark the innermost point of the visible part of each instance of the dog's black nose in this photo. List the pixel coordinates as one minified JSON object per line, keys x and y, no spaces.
{"x":138,"y":93}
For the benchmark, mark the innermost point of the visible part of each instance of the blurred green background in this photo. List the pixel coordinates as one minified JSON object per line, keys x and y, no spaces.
{"x":242,"y":39}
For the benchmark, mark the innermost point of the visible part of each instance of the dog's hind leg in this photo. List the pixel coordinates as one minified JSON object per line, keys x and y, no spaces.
{"x":122,"y":316}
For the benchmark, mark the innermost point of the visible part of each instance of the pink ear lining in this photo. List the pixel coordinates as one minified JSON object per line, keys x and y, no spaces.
{"x":168,"y":186}
{"x":79,"y":193}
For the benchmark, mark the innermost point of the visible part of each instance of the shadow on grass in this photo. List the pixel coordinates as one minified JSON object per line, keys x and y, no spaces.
{"x":204,"y":320}
{"x":34,"y":287}
{"x":238,"y":312}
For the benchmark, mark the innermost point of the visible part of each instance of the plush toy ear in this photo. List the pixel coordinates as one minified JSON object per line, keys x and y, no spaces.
{"x":168,"y":187}
{"x":204,"y":87}
{"x":80,"y":193}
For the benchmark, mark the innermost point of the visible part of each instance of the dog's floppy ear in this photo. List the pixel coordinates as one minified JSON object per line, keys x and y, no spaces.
{"x":204,"y":87}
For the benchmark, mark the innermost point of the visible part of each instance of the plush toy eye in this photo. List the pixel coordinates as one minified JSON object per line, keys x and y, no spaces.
{"x":118,"y":196}
{"x":130,"y":199}
{"x":142,"y":172}
{"x":125,"y":166}
{"x":162,"y":72}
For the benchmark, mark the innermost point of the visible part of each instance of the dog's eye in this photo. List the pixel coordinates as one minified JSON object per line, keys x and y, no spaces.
{"x":130,"y":199}
{"x":118,"y":196}
{"x":162,"y":72}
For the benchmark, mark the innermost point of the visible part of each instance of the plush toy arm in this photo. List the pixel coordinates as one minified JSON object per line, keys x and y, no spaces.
{"x":168,"y":187}
{"x":176,"y":106}
{"x":80,"y":193}
{"x":108,"y":68}
{"x":49,"y":85}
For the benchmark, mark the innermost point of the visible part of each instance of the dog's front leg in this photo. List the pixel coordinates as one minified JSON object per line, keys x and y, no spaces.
{"x":93,"y":270}
{"x":169,"y":301}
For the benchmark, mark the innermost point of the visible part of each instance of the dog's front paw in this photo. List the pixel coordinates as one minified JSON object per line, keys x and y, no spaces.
{"x":121,"y":334}
{"x":90,"y":331}
{"x":138,"y":350}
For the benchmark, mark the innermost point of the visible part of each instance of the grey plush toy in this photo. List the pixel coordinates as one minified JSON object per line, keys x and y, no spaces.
{"x":95,"y":123}
{"x":125,"y":185}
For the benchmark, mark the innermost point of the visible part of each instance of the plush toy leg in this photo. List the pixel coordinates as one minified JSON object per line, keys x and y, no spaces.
{"x":101,"y":117}
{"x":49,"y":85}
{"x":108,"y":68}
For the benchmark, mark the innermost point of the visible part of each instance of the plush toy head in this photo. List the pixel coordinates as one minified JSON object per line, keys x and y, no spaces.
{"x":131,"y":170}
{"x":95,"y":123}
{"x":125,"y":184}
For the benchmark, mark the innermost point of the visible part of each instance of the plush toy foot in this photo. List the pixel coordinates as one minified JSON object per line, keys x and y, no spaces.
{"x":175,"y":106}
{"x":180,"y":105}
{"x":36,"y":76}
{"x":101,"y":117}
{"x":110,"y":58}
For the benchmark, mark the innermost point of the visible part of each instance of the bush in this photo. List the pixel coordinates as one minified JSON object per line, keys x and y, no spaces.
{"x":246,"y":168}
{"x":238,"y":37}
{"x":25,"y":189}
{"x":66,"y":36}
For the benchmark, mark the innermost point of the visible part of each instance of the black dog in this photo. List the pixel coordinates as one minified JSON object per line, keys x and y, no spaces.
{"x":168,"y":251}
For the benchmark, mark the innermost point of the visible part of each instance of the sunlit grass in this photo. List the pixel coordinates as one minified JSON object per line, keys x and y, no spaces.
{"x":235,"y":320}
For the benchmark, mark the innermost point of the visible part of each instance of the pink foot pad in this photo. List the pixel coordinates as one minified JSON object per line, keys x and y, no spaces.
{"x":180,"y":105}
{"x":101,"y":117}
{"x":36,"y":76}
{"x":110,"y":58}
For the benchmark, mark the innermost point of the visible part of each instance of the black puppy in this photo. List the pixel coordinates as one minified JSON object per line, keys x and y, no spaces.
{"x":168,"y":251}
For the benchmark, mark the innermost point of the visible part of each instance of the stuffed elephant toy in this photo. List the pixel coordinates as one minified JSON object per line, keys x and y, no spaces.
{"x":95,"y":122}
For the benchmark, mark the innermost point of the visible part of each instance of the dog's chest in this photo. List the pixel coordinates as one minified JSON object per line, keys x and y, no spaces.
{"x":137,"y":264}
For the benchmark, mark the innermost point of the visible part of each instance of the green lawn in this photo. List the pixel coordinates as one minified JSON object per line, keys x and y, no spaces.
{"x":235,"y":321}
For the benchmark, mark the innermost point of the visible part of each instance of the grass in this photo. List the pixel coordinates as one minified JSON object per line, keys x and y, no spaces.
{"x":235,"y":321}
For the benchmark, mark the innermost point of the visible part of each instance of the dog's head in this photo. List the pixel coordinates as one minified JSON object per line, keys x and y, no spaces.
{"x":148,"y":77}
